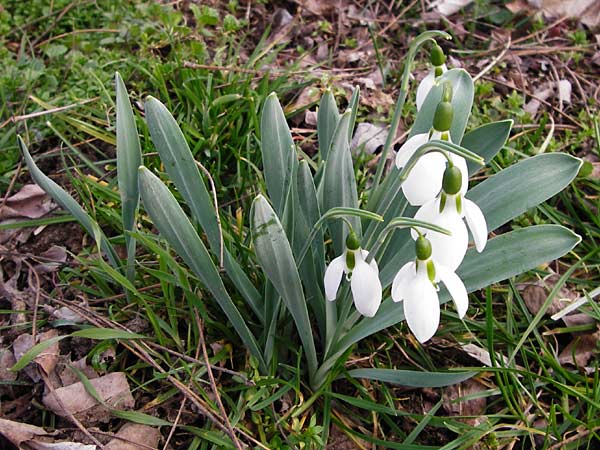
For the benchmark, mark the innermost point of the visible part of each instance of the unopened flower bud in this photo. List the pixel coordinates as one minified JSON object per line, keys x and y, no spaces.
{"x":452,"y":180}
{"x":444,"y":114}
{"x":436,"y":56}
{"x":423,"y":248}
{"x":352,"y":241}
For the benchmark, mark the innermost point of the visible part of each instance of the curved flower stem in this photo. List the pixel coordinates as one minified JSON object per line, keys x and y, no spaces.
{"x":415,"y":45}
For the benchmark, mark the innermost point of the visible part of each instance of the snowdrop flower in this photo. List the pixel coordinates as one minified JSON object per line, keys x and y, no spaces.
{"x":437,"y":59}
{"x":363,"y":277}
{"x":447,"y":211}
{"x":415,"y":285}
{"x":424,"y":181}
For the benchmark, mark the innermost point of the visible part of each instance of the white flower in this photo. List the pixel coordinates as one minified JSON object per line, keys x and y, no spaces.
{"x":426,"y":84}
{"x":450,"y":250}
{"x":424,"y":181}
{"x":364,"y":280}
{"x":413,"y":285}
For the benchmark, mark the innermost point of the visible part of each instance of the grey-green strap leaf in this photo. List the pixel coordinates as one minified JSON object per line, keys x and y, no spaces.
{"x":276,"y":259}
{"x":60,"y":196}
{"x":129,"y":158}
{"x":183,"y":171}
{"x":328,"y":117}
{"x":486,"y":141}
{"x":339,"y":188}
{"x":523,"y":185}
{"x":176,"y":228}
{"x":462,"y":100}
{"x":353,"y":106}
{"x":278,"y":152}
{"x":412,"y":378}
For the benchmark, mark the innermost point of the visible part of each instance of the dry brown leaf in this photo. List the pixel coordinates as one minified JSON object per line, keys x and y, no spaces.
{"x":68,"y":376}
{"x":31,"y":202}
{"x":47,"y":359}
{"x":368,"y":138}
{"x":586,"y":11}
{"x":580,"y":350}
{"x":131,"y":435}
{"x":7,"y":360}
{"x":535,"y":294}
{"x":53,"y":258}
{"x":21,"y":345}
{"x":465,"y":407}
{"x":449,"y":7}
{"x":17,"y":432}
{"x":319,"y":7}
{"x":113,"y":389}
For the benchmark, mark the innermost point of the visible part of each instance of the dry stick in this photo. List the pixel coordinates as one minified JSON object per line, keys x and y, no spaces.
{"x":510,"y":86}
{"x":88,"y":30}
{"x":69,"y":414}
{"x":137,"y":349}
{"x":15,"y":119}
{"x":11,"y":185}
{"x":37,"y":296}
{"x":213,"y":384}
{"x":494,"y":61}
{"x":579,"y":435}
{"x":214,"y":192}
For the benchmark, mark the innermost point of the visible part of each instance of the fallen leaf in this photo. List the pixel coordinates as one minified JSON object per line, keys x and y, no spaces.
{"x":51,"y":259}
{"x":31,"y":202}
{"x":580,"y":350}
{"x":456,"y":404}
{"x":21,"y":345}
{"x":35,"y":445}
{"x":7,"y":360}
{"x":17,"y":432}
{"x":564,"y":91}
{"x":113,"y":389}
{"x":586,"y":11}
{"x":47,"y":359}
{"x":536,"y":294}
{"x":319,"y":7}
{"x":540,"y":95}
{"x":368,"y":138}
{"x":68,"y":376}
{"x":131,"y":435}
{"x":449,"y":7}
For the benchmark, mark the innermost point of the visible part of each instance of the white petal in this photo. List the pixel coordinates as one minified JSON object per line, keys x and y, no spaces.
{"x":409,"y":147}
{"x":333,"y":277}
{"x":366,"y":289}
{"x":455,"y":287}
{"x":449,"y":250}
{"x":373,"y":263}
{"x":402,"y":279}
{"x":428,"y":212}
{"x":424,"y":181}
{"x":461,"y":163}
{"x":476,"y":222}
{"x":424,"y":87}
{"x":422,"y":308}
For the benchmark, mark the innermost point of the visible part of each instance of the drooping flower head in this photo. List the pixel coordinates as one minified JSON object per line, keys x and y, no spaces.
{"x":438,"y":60}
{"x":363,"y":277}
{"x":415,"y":284}
{"x":424,"y":181}
{"x":448,"y":211}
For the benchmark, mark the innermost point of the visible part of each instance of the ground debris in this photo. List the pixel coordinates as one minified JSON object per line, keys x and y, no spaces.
{"x":133,"y":436}
{"x":74,"y":399}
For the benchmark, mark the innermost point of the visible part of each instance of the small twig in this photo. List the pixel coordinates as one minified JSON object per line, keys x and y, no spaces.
{"x":580,"y":434}
{"x":494,"y":61}
{"x":214,"y":193}
{"x":213,"y":384}
{"x":15,"y":119}
{"x":175,"y":424}
{"x":37,"y":296}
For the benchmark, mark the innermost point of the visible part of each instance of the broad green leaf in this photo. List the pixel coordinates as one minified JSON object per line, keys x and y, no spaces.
{"x":505,"y":256}
{"x":328,"y":117}
{"x":60,"y":196}
{"x":106,"y":333}
{"x":34,"y":351}
{"x":486,"y":141}
{"x":176,"y":228}
{"x":278,"y":152}
{"x":129,"y":158}
{"x":275,"y":256}
{"x":339,"y":183}
{"x":412,"y":378}
{"x":353,"y":106}
{"x":183,"y":171}
{"x":522,"y":186}
{"x":462,"y":100}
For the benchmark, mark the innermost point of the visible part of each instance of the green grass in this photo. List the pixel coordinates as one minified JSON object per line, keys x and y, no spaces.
{"x":531,"y":399}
